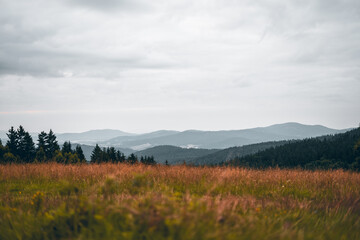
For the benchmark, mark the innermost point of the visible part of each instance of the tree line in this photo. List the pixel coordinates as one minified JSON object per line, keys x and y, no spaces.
{"x":327,"y":152}
{"x":20,"y":148}
{"x":110,"y":154}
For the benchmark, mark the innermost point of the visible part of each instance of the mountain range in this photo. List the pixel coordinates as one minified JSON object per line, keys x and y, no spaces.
{"x":220,"y":139}
{"x":91,"y":137}
{"x":193,"y":146}
{"x":193,"y":138}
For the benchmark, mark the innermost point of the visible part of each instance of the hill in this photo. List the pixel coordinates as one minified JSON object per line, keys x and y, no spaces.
{"x":142,"y":138}
{"x":87,"y":149}
{"x":174,"y":155}
{"x":92,"y":136}
{"x":223,"y":139}
{"x":233,"y":152}
{"x":328,"y":152}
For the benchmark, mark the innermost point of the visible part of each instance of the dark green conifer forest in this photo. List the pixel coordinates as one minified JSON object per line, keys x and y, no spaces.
{"x":20,"y":148}
{"x":327,"y":152}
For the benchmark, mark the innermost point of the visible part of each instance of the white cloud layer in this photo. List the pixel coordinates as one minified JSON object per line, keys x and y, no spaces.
{"x":143,"y":65}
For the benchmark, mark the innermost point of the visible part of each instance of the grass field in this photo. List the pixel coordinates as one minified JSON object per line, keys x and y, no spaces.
{"x":119,"y":201}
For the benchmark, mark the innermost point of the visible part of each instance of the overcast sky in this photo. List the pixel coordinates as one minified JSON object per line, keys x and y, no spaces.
{"x":138,"y":66}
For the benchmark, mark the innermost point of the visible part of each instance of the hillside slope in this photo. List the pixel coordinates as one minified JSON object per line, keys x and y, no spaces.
{"x":233,"y":152}
{"x":174,"y":155}
{"x":328,"y":152}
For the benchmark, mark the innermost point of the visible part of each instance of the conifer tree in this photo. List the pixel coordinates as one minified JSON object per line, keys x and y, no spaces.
{"x":42,"y":147}
{"x":40,"y":155}
{"x":80,"y":153}
{"x":111,"y":154}
{"x":3,"y":150}
{"x":42,"y":141}
{"x":28,"y":148}
{"x":66,"y":148}
{"x":21,"y":146}
{"x":12,"y":142}
{"x":120,"y":157}
{"x":52,"y":145}
{"x":132,"y":159}
{"x":105,"y":155}
{"x":147,"y":160}
{"x":96,"y":155}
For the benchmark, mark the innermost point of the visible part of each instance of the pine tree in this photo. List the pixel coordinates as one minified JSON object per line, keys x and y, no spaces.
{"x":105,"y":155}
{"x":120,"y":157}
{"x":151,"y":160}
{"x":21,"y":147}
{"x":42,"y":141}
{"x":28,"y":148}
{"x":12,"y":143}
{"x":52,"y":145}
{"x":40,"y":155}
{"x":66,"y":148}
{"x":96,"y":155}
{"x":112,"y":154}
{"x":21,"y":144}
{"x":132,"y":159}
{"x":80,"y":153}
{"x":3,"y":150}
{"x":58,"y":157}
{"x":73,"y":158}
{"x":147,"y":160}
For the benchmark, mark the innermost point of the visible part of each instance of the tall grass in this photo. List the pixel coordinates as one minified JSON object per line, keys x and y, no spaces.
{"x":120,"y":201}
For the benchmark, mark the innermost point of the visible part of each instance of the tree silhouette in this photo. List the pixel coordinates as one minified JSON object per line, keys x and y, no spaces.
{"x":12,"y":143}
{"x":66,"y":148}
{"x":96,"y":155}
{"x":132,"y":159}
{"x":52,"y":145}
{"x":80,"y":153}
{"x":42,"y":141}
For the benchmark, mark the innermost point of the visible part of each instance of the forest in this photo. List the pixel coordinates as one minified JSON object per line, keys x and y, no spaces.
{"x":20,"y":148}
{"x":326,"y":152}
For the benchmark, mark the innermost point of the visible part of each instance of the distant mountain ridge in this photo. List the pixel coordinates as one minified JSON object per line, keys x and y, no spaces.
{"x":192,"y":138}
{"x":223,"y":139}
{"x":92,"y":136}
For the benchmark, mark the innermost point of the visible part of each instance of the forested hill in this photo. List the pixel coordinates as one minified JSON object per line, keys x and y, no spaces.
{"x":227,"y":154}
{"x":174,"y":155}
{"x":330,"y":152}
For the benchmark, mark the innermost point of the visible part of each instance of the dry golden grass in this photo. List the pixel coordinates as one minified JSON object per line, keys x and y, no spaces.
{"x":224,"y":198}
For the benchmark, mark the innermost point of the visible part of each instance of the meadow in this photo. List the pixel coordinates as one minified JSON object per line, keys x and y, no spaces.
{"x":123,"y":201}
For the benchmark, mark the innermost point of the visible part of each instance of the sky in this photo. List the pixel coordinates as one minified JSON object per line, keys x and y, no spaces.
{"x":140,"y":66}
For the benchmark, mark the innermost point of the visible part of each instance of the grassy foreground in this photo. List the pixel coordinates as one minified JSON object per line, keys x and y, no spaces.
{"x":119,"y":201}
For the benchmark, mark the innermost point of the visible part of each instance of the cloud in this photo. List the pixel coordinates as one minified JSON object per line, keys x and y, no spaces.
{"x":110,"y":5}
{"x":249,"y":57}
